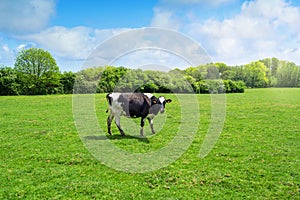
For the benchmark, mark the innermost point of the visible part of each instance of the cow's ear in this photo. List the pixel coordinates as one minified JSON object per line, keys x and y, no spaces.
{"x":169,"y":100}
{"x":154,"y":101}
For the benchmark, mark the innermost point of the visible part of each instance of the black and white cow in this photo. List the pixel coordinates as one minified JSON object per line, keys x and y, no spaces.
{"x":134,"y":105}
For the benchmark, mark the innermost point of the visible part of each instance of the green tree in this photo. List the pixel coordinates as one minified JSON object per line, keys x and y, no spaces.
{"x":91,"y":74}
{"x":67,"y":79}
{"x":288,"y":74}
{"x":87,"y":80}
{"x":9,"y":84}
{"x":35,"y":61}
{"x":255,"y":75}
{"x":222,"y":67}
{"x":272,"y":64}
{"x":40,"y":69}
{"x":110,"y":77}
{"x":193,"y":72}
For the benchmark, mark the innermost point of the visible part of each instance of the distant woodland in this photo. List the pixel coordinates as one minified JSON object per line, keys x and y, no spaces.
{"x":35,"y":72}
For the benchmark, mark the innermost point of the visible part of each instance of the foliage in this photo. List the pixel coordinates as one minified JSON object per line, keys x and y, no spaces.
{"x":234,"y":86}
{"x":110,"y":77}
{"x":120,"y":79}
{"x":36,"y":62}
{"x":41,"y":73}
{"x":288,"y":74}
{"x":9,"y":81}
{"x":67,"y":80}
{"x":36,"y":72}
{"x":86,"y":80}
{"x":255,"y":75}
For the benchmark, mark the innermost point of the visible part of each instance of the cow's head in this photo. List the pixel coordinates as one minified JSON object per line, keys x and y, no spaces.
{"x":158,"y":104}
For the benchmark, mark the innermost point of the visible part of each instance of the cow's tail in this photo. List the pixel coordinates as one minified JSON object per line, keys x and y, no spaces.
{"x":109,"y":99}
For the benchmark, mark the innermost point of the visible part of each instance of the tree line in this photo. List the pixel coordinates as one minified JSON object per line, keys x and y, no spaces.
{"x":35,"y":72}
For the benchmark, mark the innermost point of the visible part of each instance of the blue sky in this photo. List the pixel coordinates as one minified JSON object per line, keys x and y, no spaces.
{"x":104,"y":14}
{"x":231,"y":31}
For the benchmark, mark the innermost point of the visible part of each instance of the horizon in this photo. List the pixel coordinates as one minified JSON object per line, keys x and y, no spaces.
{"x":165,"y":69}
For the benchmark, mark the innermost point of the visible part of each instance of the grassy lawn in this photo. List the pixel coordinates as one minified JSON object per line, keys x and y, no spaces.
{"x":257,"y":155}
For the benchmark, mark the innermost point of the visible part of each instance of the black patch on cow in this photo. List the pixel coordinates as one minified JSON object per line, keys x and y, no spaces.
{"x":135,"y":104}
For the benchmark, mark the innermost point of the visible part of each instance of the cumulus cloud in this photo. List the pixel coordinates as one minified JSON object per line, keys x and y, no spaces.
{"x":70,"y":43}
{"x":261,"y":29}
{"x":66,"y":42}
{"x":166,"y":19}
{"x":21,"y":16}
{"x":5,"y":48}
{"x":6,"y":55}
{"x":149,"y":46}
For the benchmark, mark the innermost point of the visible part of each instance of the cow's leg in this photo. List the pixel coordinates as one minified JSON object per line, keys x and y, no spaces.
{"x":142,"y":126}
{"x":109,"y":120}
{"x":151,"y":124}
{"x":117,"y":119}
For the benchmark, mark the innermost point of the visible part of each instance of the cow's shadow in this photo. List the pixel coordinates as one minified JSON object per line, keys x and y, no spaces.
{"x":117,"y":137}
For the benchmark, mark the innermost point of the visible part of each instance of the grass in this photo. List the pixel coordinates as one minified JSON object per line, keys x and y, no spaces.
{"x":256,"y":157}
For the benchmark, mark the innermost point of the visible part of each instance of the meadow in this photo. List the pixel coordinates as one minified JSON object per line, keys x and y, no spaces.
{"x":257,"y":155}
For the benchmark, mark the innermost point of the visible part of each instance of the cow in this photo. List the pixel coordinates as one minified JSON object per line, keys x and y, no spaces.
{"x":134,"y":105}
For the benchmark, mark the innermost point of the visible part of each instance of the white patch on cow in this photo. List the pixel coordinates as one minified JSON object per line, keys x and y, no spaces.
{"x":161,"y":99}
{"x":114,"y":96}
{"x":115,"y":108}
{"x":149,"y":95}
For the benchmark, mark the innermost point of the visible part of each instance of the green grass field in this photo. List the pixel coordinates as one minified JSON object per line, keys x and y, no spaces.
{"x":257,"y":155}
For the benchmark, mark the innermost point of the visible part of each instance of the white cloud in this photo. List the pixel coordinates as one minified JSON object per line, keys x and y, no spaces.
{"x":19,"y":16}
{"x":5,"y":48}
{"x":172,"y":14}
{"x":80,"y":43}
{"x":20,"y":47}
{"x":148,"y":46}
{"x":69,"y":46}
{"x":165,"y":19}
{"x":261,"y":29}
{"x":74,"y":43}
{"x":6,"y":55}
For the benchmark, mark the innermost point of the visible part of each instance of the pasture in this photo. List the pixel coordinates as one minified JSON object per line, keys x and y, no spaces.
{"x":257,"y":155}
